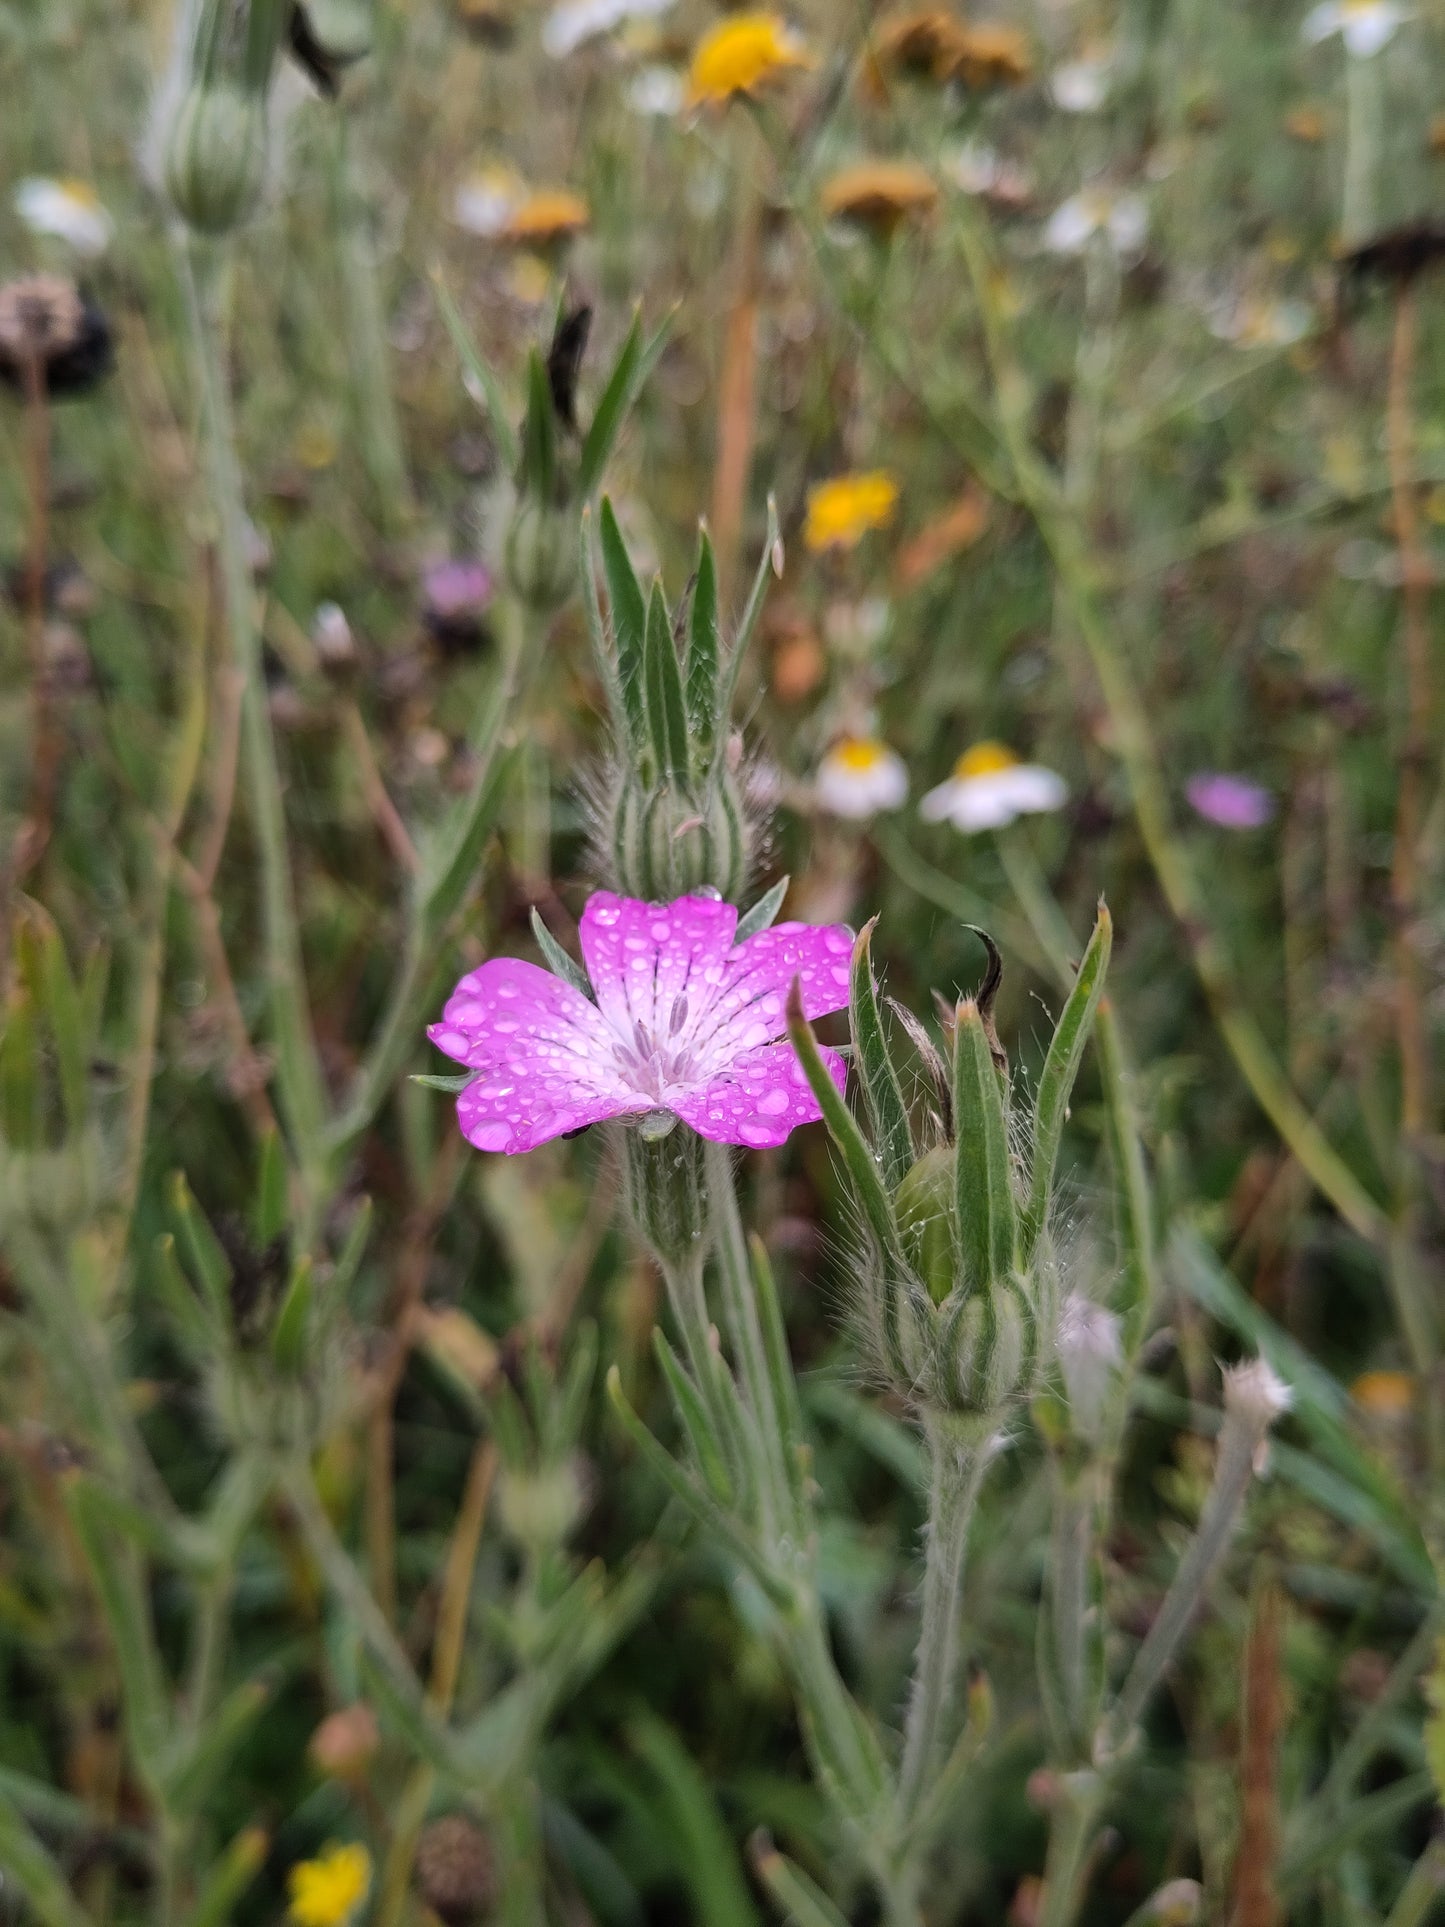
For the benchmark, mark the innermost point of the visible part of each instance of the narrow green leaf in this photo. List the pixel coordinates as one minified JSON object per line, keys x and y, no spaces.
{"x":208,"y":1264}
{"x":198,"y":1330}
{"x":703,"y":653}
{"x":799,"y":1899}
{"x":116,"y":1572}
{"x":862,"y":1169}
{"x":576,"y":1387}
{"x":693,"y":1417}
{"x":987,"y":1215}
{"x":1061,"y":1067}
{"x":537,"y":468}
{"x":882,"y":1092}
{"x":732,"y":668}
{"x":352,"y":1251}
{"x":67,"y":1026}
{"x":288,"y":1339}
{"x":35,"y":1875}
{"x":271,"y":1210}
{"x":629,"y":621}
{"x":763,"y":913}
{"x":229,"y":1878}
{"x":596,"y":628}
{"x":464,"y":838}
{"x":1133,"y":1202}
{"x":779,"y":1363}
{"x":557,"y":959}
{"x":441,"y":1081}
{"x":666,"y":712}
{"x":704,"y":1854}
{"x":629,"y":374}
{"x":503,"y":432}
{"x":197,"y":1769}
{"x":20,"y":1111}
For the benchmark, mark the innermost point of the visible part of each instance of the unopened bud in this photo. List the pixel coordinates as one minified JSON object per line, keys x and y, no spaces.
{"x":541,"y":554}
{"x":215,"y":160}
{"x":922,"y":1204}
{"x":345,"y":1743}
{"x":455,"y":1869}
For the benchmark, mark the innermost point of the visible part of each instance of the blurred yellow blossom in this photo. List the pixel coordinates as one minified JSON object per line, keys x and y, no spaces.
{"x":327,"y":1891}
{"x":843,"y":510}
{"x":739,"y":54}
{"x":991,"y":54}
{"x":1384,"y":1394}
{"x":878,"y":194}
{"x":550,"y":214}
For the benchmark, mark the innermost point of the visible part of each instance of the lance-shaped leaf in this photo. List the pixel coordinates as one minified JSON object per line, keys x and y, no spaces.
{"x":229,"y":1878}
{"x":634,"y":364}
{"x":692,"y":1416}
{"x":703,"y":651}
{"x":798,"y":1898}
{"x":44,"y":966}
{"x":863,"y":1172}
{"x":666,"y":714}
{"x":1133,"y":1202}
{"x":288,"y":1339}
{"x":269,"y":1219}
{"x":882,"y":1092}
{"x":768,"y":564}
{"x":537,"y":473}
{"x":200,"y":1247}
{"x":482,"y":376}
{"x":1061,"y":1067}
{"x":629,"y":621}
{"x":780,"y":1368}
{"x":557,"y":960}
{"x":193,"y":1317}
{"x":987,"y":1215}
{"x":602,"y":655}
{"x":120,"y":1585}
{"x":35,"y":1875}
{"x":764,"y":912}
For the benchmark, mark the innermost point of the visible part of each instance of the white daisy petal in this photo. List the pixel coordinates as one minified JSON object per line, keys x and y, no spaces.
{"x":1369,"y":29}
{"x":1071,"y":226}
{"x":67,"y":210}
{"x":1321,"y":21}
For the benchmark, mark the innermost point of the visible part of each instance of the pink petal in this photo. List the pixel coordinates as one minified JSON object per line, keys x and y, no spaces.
{"x":544,"y":1055}
{"x":750,"y":1007}
{"x":644,"y":957}
{"x":759,"y":1099}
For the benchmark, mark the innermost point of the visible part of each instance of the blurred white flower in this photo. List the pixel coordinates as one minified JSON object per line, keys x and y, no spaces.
{"x":1090,"y":1350}
{"x":487,"y":199}
{"x":657,"y":93}
{"x":979,"y":169}
{"x":1365,"y":26}
{"x":860,"y":776}
{"x":1260,"y":321}
{"x":1082,"y":86}
{"x":1256,"y":1392}
{"x":69,"y":210}
{"x":1121,"y":219}
{"x":573,"y":23}
{"x":989,"y":788}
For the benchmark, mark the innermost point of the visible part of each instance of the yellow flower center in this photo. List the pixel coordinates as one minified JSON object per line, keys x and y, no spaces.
{"x":326,"y":1892}
{"x":859,"y":755}
{"x":544,"y":215}
{"x":984,"y":759}
{"x":741,"y":53}
{"x":842,"y":511}
{"x":81,"y":192}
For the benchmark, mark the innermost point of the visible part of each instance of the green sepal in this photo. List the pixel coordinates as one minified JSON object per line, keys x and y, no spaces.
{"x":288,"y":1339}
{"x":635,"y":362}
{"x":537,"y":469}
{"x":271,"y":1208}
{"x":199,"y":1246}
{"x":882,"y":1092}
{"x":666,"y":712}
{"x":703,"y":651}
{"x":764,"y":912}
{"x":629,"y":625}
{"x":442,"y":1081}
{"x":503,"y":432}
{"x":1056,"y":1080}
{"x":693,"y":1417}
{"x":985,"y":1213}
{"x":557,"y":960}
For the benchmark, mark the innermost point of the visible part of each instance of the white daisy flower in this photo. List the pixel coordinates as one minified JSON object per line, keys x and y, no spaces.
{"x":1256,"y":321}
{"x":989,"y":788}
{"x":1365,"y":26}
{"x":976,"y":168}
{"x":657,"y":93}
{"x":574,"y":22}
{"x":1082,"y":86}
{"x":487,"y":199}
{"x":859,"y":777}
{"x":68,"y":210}
{"x":1098,"y":213}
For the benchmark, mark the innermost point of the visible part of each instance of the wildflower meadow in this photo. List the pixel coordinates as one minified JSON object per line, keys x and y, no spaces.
{"x":722,"y":963}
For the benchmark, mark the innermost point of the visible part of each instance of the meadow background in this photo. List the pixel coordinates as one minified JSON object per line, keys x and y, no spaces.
{"x":1170,"y":486}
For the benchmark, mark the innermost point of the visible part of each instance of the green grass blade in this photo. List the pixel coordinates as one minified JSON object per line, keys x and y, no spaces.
{"x":1061,"y":1067}
{"x":882,"y":1092}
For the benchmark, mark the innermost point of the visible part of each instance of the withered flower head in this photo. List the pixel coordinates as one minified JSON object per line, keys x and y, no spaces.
{"x":48,"y":326}
{"x":991,"y":54}
{"x":455,"y":1870}
{"x":923,"y":44}
{"x":879,"y":194}
{"x":1400,"y":254}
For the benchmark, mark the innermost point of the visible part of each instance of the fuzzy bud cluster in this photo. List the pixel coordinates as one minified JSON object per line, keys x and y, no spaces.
{"x":674,"y":817}
{"x":956,"y":1303}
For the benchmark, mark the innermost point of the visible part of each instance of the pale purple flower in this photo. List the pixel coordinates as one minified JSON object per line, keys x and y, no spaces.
{"x":455,"y":596}
{"x":685,"y":1021}
{"x":1233,"y":802}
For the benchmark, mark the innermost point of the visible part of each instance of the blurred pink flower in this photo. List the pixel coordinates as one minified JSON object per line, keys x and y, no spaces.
{"x":685,"y":1021}
{"x":1233,"y":802}
{"x":455,"y":597}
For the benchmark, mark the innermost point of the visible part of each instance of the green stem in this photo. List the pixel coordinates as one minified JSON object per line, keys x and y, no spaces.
{"x":1364,"y":120}
{"x":744,"y":1329}
{"x":958,"y":1459}
{"x":1071,"y":1837}
{"x":298,"y":1065}
{"x":1073,"y":1538}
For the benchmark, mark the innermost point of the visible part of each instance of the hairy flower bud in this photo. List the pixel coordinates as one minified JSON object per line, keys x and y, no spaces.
{"x":664,"y":842}
{"x":540,"y":554}
{"x":215,"y":156}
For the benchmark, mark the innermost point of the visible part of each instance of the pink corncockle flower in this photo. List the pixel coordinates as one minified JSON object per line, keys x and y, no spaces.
{"x":686,"y":1021}
{"x":1233,"y":802}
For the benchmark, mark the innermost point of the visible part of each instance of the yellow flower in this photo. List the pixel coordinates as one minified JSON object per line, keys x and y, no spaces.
{"x":878,"y":194}
{"x":925,"y":44}
{"x":548,"y":215}
{"x":739,"y":54}
{"x":843,"y":510}
{"x":327,"y":1891}
{"x":1384,"y":1394}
